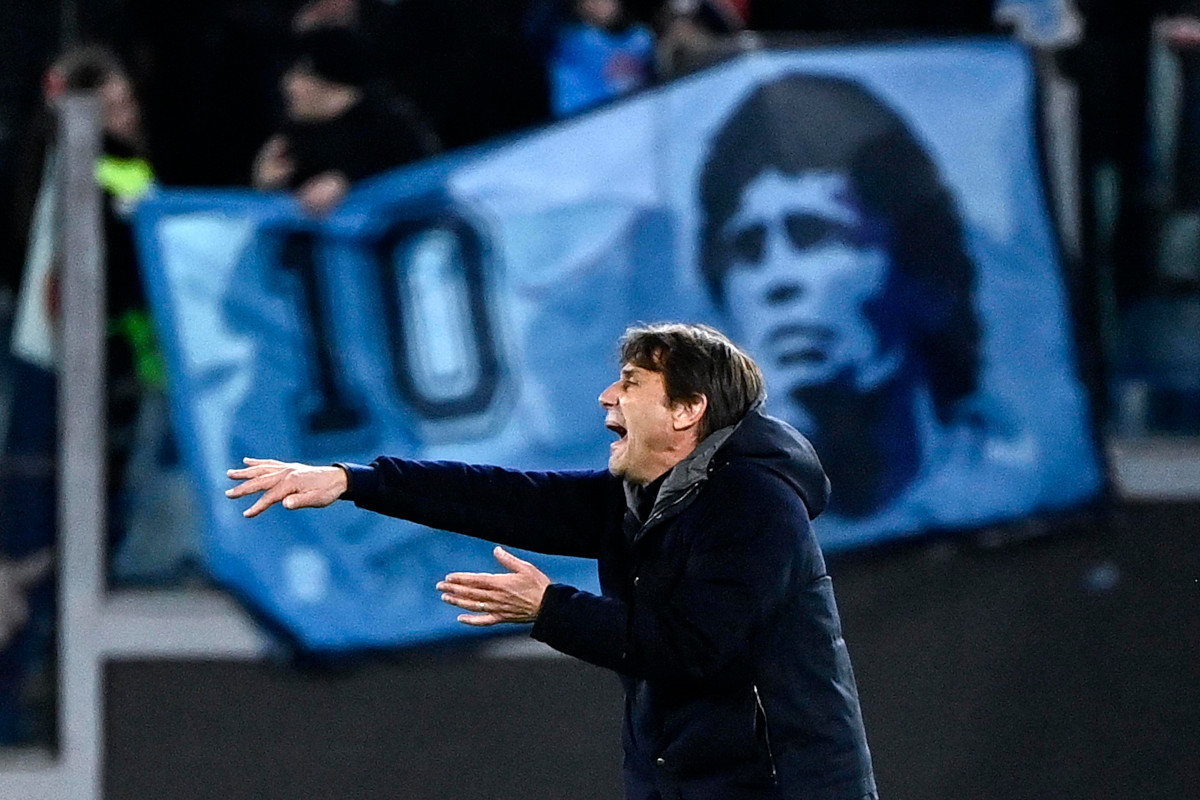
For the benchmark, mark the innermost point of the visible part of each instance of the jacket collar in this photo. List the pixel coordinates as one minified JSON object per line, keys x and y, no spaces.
{"x":681,"y":479}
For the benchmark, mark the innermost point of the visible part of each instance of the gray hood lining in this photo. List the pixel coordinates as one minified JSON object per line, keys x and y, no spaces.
{"x":689,"y":472}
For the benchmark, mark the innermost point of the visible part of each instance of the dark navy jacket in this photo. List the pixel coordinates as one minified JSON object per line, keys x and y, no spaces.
{"x":717,"y":611}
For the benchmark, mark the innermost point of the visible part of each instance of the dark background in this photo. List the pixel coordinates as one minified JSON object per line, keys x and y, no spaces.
{"x":1066,"y":666}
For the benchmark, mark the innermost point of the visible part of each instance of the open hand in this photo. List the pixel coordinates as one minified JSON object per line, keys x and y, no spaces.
{"x":514,"y":596}
{"x":292,"y":485}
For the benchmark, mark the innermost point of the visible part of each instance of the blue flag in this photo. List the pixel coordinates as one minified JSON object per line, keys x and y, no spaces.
{"x":868,"y":222}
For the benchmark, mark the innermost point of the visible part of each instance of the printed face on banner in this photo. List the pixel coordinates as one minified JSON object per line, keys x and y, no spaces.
{"x":836,"y":252}
{"x":803,"y":272}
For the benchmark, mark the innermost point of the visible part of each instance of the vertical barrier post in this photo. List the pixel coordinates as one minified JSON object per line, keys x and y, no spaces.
{"x":81,"y":410}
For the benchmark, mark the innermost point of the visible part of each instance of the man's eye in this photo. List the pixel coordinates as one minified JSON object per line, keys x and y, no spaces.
{"x":749,"y":244}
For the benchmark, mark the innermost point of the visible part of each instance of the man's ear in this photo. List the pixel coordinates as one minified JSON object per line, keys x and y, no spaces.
{"x":686,"y":414}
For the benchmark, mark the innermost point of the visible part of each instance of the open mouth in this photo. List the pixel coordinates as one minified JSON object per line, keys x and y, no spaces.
{"x":617,"y":429}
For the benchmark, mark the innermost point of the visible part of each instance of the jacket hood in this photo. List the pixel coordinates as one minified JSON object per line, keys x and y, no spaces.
{"x":759,"y":438}
{"x":781,"y":448}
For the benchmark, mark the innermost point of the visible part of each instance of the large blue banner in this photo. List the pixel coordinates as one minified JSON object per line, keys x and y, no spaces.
{"x":868,"y":221}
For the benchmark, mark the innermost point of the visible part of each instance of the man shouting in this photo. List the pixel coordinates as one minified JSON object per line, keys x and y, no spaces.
{"x":716,"y":608}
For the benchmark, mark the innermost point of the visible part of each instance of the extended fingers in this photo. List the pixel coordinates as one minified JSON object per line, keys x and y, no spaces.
{"x":452,"y":592}
{"x":251,"y":461}
{"x":484,"y":611}
{"x":257,"y":482}
{"x":509,"y":561}
{"x":313,"y":498}
{"x":255,"y":467}
{"x":295,"y":485}
{"x":482,"y":580}
{"x":251,"y":473}
{"x":477,"y":604}
{"x":267,"y":499}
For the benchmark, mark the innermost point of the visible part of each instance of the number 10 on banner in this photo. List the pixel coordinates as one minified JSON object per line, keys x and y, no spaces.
{"x":444,"y":365}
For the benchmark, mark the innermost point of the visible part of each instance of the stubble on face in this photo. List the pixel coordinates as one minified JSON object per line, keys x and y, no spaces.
{"x":638,"y":411}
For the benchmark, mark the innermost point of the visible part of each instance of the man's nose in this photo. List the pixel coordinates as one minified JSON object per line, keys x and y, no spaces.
{"x":608,"y":398}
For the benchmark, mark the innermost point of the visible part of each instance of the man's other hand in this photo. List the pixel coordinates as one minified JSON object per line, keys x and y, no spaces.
{"x":514,"y":596}
{"x":293,"y":485}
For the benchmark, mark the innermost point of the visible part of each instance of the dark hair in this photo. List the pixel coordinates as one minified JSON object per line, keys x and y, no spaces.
{"x":697,"y":360}
{"x":87,"y":67}
{"x":928,"y":299}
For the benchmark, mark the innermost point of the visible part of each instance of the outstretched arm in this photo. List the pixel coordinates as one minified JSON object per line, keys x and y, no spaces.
{"x":290,"y":484}
{"x":560,"y":513}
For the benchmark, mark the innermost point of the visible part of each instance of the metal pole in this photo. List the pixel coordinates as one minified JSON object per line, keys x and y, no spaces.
{"x":81,"y":410}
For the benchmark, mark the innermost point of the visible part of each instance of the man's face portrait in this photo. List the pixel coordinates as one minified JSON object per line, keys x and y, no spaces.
{"x":806,"y":262}
{"x":837,"y":254}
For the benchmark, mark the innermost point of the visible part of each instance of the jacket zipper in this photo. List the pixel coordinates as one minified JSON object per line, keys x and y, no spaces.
{"x":766,"y":731}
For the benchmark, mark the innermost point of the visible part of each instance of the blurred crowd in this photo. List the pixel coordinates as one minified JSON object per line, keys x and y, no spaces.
{"x":267,"y":91}
{"x":295,"y":95}
{"x":208,"y":75}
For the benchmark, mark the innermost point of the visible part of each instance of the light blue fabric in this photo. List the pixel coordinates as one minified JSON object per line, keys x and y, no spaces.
{"x":469,"y":308}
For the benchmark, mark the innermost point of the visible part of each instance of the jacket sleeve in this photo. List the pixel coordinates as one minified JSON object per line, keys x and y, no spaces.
{"x":559,"y":513}
{"x":750,"y":537}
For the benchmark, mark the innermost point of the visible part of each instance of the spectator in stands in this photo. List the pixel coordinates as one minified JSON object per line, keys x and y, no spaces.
{"x":595,"y":52}
{"x":338,"y":128}
{"x":839,"y":253}
{"x":124,"y":175}
{"x":28,"y":491}
{"x":693,"y":29}
{"x":207,"y":74}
